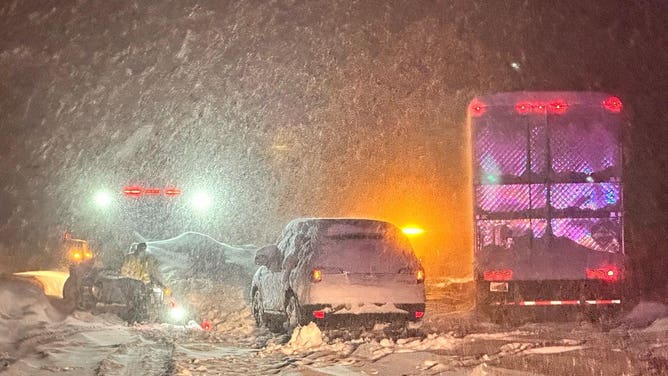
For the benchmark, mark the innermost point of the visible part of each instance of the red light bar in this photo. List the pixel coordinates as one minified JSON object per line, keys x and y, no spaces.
{"x":132,"y":191}
{"x":172,"y":192}
{"x":498,"y":275}
{"x":319,"y":314}
{"x":419,"y":314}
{"x":136,"y":191}
{"x":613,"y":104}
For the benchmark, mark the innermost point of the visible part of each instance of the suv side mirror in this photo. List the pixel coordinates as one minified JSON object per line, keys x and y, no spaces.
{"x":267,"y":255}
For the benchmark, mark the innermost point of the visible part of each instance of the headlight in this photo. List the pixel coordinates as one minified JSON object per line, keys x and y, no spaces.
{"x":177,"y":313}
{"x":201,"y":201}
{"x":103,"y":199}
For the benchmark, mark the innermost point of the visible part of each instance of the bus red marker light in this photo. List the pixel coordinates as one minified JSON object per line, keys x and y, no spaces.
{"x":523,"y":108}
{"x":613,"y":104}
{"x":558,"y":107}
{"x":477,"y":108}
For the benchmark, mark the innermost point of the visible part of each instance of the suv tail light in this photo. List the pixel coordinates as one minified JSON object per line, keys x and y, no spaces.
{"x":498,"y":275}
{"x":419,"y":276}
{"x":316,"y":275}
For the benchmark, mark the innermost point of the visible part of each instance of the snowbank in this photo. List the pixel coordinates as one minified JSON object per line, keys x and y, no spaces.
{"x":644,"y":314}
{"x":660,"y":325}
{"x":193,"y":254}
{"x":210,"y":278}
{"x":23,"y":307}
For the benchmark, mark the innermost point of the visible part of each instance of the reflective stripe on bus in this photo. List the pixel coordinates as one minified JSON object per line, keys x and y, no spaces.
{"x":561,"y":302}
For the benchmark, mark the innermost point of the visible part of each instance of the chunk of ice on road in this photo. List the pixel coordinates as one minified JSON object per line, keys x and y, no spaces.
{"x":306,"y":337}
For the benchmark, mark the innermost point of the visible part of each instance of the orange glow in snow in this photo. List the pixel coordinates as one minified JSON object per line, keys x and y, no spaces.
{"x":412,"y":231}
{"x":52,"y":281}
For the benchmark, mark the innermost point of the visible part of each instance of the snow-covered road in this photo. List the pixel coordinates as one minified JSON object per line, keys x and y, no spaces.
{"x":39,"y":340}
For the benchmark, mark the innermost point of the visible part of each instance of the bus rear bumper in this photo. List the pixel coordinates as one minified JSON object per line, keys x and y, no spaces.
{"x":549,"y":293}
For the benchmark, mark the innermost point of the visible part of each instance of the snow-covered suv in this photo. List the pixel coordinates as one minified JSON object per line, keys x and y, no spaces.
{"x":322,"y":269}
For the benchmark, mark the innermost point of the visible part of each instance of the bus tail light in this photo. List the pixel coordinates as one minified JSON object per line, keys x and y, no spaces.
{"x":608,"y":273}
{"x":498,"y":275}
{"x":419,"y":314}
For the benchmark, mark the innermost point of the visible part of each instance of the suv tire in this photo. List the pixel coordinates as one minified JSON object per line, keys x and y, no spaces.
{"x":293,"y":313}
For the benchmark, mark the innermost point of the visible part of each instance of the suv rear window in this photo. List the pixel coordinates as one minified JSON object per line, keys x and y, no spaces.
{"x":363,"y":253}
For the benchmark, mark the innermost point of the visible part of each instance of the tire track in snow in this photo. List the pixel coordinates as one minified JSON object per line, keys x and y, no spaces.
{"x":139,"y":357}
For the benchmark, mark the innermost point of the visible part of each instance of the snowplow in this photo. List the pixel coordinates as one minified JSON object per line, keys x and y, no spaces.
{"x":92,"y":288}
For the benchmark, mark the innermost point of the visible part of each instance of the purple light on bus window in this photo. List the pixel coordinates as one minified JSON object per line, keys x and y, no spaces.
{"x":511,"y":198}
{"x":594,"y":196}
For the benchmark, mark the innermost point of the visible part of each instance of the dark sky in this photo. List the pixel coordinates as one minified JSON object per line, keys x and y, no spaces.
{"x":296,"y":108}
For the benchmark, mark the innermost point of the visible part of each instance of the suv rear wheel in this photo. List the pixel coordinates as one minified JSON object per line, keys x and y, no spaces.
{"x":258,"y":310}
{"x":261,"y":319}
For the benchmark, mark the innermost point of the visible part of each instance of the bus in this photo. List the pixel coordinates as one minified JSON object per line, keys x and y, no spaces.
{"x":547,"y":200}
